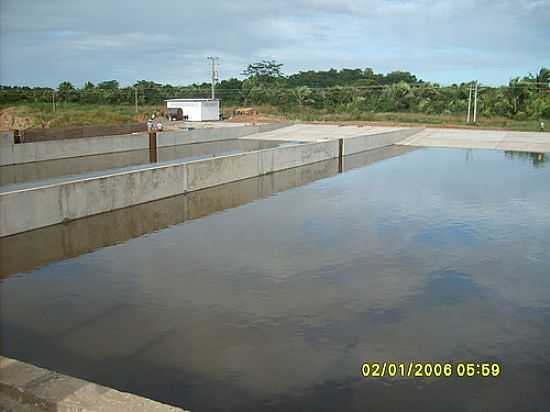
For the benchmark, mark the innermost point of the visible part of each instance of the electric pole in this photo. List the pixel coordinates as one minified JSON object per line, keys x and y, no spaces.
{"x":53,"y":100}
{"x":215,"y":76}
{"x":469,"y":104}
{"x":475,"y":103}
{"x":136,"y":97}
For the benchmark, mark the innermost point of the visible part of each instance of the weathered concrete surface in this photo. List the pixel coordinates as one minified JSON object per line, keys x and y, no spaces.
{"x":35,"y":152}
{"x":481,"y":139}
{"x":320,"y":132}
{"x":30,"y":207}
{"x":362,"y":143}
{"x":24,"y":387}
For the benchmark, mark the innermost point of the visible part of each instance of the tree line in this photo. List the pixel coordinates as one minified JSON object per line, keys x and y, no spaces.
{"x":327,"y":91}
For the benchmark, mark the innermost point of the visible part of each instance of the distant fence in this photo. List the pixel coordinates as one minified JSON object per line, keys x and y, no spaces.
{"x":45,"y":134}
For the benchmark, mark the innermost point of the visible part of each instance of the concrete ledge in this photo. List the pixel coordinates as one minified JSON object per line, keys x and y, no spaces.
{"x":359,"y":144}
{"x":35,"y":207}
{"x":62,"y":241}
{"x":11,"y":154}
{"x":24,"y":387}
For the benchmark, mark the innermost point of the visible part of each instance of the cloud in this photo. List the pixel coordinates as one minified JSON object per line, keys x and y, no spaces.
{"x":445,"y":41}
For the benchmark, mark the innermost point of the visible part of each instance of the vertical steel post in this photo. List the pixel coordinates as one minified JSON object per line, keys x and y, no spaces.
{"x":153,"y":158}
{"x":340,"y":154}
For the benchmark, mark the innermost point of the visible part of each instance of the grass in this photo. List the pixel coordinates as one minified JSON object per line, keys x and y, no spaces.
{"x":70,"y":114}
{"x":404,"y":119}
{"x":73,"y":114}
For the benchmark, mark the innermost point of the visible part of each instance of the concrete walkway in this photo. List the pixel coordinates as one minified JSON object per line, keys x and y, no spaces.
{"x":428,"y":137}
{"x":481,"y":139}
{"x":24,"y":387}
{"x":320,"y":132}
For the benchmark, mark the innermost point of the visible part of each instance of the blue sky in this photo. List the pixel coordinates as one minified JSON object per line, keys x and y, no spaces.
{"x":46,"y":42}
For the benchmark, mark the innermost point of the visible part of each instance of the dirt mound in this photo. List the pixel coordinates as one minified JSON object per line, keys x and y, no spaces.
{"x":12,"y":118}
{"x":255,"y":119}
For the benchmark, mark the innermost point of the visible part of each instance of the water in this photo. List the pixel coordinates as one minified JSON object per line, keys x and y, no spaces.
{"x":271,"y":293}
{"x":37,"y":171}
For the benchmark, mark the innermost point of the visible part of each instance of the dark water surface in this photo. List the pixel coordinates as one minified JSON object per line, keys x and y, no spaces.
{"x":37,"y":171}
{"x":269,"y":294}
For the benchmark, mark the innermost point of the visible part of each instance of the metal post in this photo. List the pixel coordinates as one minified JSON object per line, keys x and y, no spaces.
{"x":475,"y":103}
{"x":153,"y":158}
{"x":340,"y":155}
{"x":469,"y":104}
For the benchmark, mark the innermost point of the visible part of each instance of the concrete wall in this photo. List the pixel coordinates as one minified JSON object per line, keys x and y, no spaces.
{"x":6,"y":138}
{"x":34,"y":152}
{"x":374,"y":141}
{"x":60,"y":242}
{"x":28,"y":209}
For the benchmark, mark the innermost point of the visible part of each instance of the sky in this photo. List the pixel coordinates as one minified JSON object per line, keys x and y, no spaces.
{"x":43,"y":43}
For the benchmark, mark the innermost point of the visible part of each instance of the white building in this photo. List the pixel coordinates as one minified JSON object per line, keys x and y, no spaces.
{"x":197,"y":110}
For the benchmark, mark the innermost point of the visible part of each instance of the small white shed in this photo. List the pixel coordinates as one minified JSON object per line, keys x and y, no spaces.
{"x":197,"y":110}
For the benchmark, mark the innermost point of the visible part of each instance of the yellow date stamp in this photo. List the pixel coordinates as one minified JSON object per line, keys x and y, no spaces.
{"x":430,"y":369}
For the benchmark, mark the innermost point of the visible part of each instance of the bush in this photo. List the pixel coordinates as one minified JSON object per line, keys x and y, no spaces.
{"x":520,"y":116}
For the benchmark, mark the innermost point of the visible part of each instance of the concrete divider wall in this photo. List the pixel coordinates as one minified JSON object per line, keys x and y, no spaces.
{"x":59,"y":242}
{"x":59,"y":149}
{"x":28,"y":209}
{"x":6,"y":138}
{"x":374,"y":141}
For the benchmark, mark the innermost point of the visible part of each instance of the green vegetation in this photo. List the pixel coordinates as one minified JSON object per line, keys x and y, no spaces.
{"x":332,"y":95}
{"x":71,"y":114}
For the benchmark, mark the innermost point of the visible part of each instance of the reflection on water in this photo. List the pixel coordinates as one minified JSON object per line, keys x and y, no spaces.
{"x":275,"y":301}
{"x":29,"y":250}
{"x":538,"y":159}
{"x":28,"y":172}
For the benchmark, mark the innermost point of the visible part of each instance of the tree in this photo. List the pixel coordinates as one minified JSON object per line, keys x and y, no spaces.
{"x":264,"y":71}
{"x":88,"y":86}
{"x":302,"y":95}
{"x":65,"y":87}
{"x":108,"y":85}
{"x":516,"y":95}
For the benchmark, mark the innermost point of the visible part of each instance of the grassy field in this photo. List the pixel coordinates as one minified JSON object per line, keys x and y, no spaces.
{"x":68,"y":114}
{"x":413,"y":119}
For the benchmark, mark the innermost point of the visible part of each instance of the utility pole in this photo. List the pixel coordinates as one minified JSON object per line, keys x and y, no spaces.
{"x":53,"y":100}
{"x":469,"y":104}
{"x":475,"y":103}
{"x":214,"y":61}
{"x":136,"y":97}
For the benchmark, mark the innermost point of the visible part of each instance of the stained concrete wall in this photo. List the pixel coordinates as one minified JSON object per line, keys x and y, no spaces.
{"x":59,"y":149}
{"x":32,"y":208}
{"x":373,"y":141}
